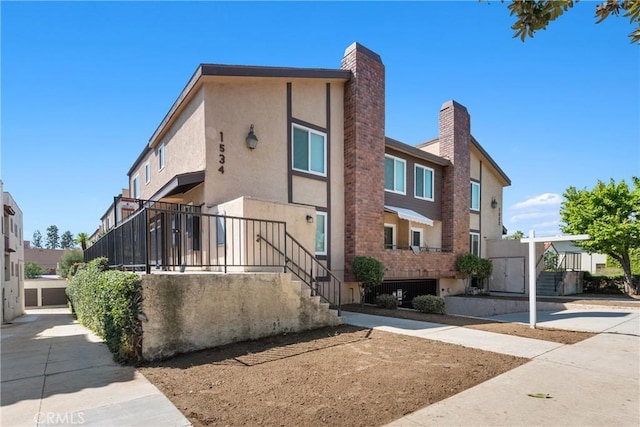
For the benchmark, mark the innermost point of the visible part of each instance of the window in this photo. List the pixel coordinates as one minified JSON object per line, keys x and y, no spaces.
{"x":475,"y":196}
{"x":136,"y":187}
{"x":394,"y":174}
{"x":474,"y":243}
{"x":221,"y":237}
{"x":161,"y":156}
{"x":321,"y":233}
{"x":389,"y":236}
{"x":417,"y":237}
{"x":147,"y":173}
{"x":424,"y":183}
{"x":309,"y":151}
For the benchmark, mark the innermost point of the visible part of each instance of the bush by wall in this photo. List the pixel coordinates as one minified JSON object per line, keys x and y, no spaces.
{"x":70,"y":257}
{"x":107,"y":302}
{"x":387,"y":301}
{"x":429,"y":304}
{"x":33,"y":270}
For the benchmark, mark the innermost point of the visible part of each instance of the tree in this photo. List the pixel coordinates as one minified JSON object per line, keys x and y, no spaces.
{"x":536,"y":15}
{"x":515,"y":236}
{"x":66,"y":240}
{"x":37,"y":239}
{"x":468,"y":265}
{"x":53,"y":240}
{"x":369,"y":272}
{"x":82,"y":240}
{"x":68,"y":259}
{"x":609,"y":214}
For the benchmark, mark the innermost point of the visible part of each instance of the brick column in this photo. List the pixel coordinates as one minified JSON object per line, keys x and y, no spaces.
{"x":455,"y":140}
{"x":364,"y":137}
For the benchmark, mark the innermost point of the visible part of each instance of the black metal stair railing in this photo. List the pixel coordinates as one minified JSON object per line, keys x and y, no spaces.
{"x":306,"y":267}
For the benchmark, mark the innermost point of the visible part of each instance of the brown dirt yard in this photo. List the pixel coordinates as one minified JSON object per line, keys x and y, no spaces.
{"x":331,"y":376}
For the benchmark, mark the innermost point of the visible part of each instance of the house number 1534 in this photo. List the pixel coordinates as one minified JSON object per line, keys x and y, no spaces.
{"x":221,"y":148}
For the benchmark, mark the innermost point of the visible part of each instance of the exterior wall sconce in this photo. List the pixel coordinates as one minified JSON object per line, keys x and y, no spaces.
{"x":252,"y":139}
{"x":309,"y":219}
{"x":494,"y":203}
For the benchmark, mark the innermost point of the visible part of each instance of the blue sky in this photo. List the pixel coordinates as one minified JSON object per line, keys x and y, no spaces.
{"x":85,"y":84}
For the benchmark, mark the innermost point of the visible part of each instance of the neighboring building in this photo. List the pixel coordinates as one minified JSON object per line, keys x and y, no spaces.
{"x":322,"y":157}
{"x":49,"y":259}
{"x":571,"y":257}
{"x":13,"y":259}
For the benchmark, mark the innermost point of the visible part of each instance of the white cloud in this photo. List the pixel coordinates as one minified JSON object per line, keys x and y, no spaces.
{"x":546,"y":199}
{"x":532,"y":215}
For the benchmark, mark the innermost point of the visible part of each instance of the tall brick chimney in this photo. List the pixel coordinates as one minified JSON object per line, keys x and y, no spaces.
{"x":364,"y":136}
{"x":455,"y":140}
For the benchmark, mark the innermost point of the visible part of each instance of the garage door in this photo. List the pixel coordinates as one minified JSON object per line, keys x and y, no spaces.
{"x":31,"y":297}
{"x":53,"y":296}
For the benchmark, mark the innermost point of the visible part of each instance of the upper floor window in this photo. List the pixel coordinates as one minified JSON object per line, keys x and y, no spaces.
{"x":161,"y":162}
{"x":147,"y":173}
{"x":394,"y":174}
{"x":309,"y":150}
{"x":475,"y":196}
{"x":424,"y":182}
{"x":136,"y":187}
{"x":321,"y":233}
{"x":474,"y":243}
{"x":417,"y":237}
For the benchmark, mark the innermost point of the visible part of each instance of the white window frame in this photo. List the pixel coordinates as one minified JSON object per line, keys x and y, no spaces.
{"x":473,"y":234}
{"x":147,"y":173}
{"x":135,"y":190}
{"x":415,"y":179}
{"x":161,"y":157}
{"x":324,"y":149}
{"x":404,"y":178}
{"x":472,"y":206}
{"x":416,"y":230}
{"x":394,"y":242}
{"x":326,"y":217}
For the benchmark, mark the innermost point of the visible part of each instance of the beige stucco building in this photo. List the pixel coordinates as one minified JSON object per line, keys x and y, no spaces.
{"x":324,"y":166}
{"x":13,"y":259}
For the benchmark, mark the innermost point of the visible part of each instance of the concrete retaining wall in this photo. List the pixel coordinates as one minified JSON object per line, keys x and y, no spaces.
{"x":188,"y":312}
{"x":483,"y":307}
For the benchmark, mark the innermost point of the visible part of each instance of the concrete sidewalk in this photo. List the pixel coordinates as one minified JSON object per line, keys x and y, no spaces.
{"x":56,"y":372}
{"x":592,"y":383}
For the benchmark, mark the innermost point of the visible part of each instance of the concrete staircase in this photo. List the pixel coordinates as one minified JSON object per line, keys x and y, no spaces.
{"x":548,"y":283}
{"x":323,"y":307}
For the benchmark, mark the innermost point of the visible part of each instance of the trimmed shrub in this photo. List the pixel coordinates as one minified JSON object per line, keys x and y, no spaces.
{"x":107,"y":302}
{"x":369,"y":272}
{"x":33,"y":270}
{"x":387,"y":301}
{"x":429,"y":304}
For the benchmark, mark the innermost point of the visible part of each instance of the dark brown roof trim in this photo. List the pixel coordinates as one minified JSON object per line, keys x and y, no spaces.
{"x":413,"y":151}
{"x":286,"y":72}
{"x":184,"y":179}
{"x":490,"y":160}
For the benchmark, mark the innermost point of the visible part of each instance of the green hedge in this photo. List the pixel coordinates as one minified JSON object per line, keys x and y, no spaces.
{"x":429,"y":304}
{"x":387,"y":301}
{"x":107,"y":302}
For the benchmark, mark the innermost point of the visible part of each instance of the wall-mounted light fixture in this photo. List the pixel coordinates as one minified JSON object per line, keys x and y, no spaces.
{"x":494,"y":203}
{"x":252,"y":139}
{"x":309,"y":219}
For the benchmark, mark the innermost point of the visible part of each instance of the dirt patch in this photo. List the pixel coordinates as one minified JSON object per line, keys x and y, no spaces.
{"x":547,"y":334}
{"x":331,"y":376}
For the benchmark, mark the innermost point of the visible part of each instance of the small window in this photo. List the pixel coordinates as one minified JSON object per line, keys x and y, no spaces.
{"x":136,"y":187}
{"x":474,"y":243}
{"x":221,"y":237}
{"x":161,"y":156}
{"x":321,"y":233}
{"x":389,"y":236}
{"x":417,"y":239}
{"x":394,"y":174}
{"x":147,"y":173}
{"x":475,"y":196}
{"x":309,"y":151}
{"x":424,"y":183}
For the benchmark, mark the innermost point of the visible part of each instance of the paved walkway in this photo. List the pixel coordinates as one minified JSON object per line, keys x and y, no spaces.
{"x":595,"y":382}
{"x":56,"y":372}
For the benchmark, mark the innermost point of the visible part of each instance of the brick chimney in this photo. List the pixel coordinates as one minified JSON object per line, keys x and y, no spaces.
{"x":455,"y":140}
{"x":364,"y":141}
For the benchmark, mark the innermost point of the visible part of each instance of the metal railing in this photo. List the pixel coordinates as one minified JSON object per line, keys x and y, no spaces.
{"x":415,"y":249}
{"x":309,"y":269}
{"x":168,"y":239}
